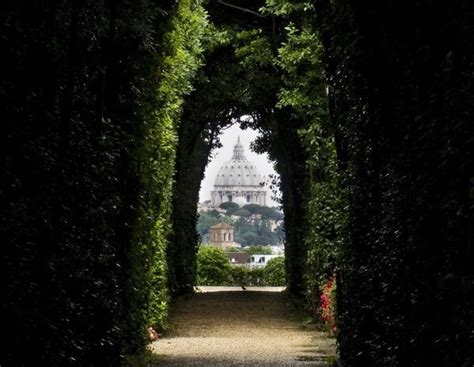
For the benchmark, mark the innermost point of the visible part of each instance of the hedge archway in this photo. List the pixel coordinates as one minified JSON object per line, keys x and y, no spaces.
{"x":111,"y":110}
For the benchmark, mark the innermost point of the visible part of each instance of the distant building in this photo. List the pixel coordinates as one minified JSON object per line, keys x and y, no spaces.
{"x":238,"y":181}
{"x":274,"y":224}
{"x":278,"y":250}
{"x":260,"y":261}
{"x":238,"y":258}
{"x":207,"y":207}
{"x":222,"y":235}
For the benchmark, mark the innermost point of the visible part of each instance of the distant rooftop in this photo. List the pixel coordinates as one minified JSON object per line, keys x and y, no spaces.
{"x":222,"y":225}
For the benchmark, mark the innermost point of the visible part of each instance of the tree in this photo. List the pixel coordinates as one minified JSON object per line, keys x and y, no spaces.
{"x":246,"y":238}
{"x":267,"y":212}
{"x":242,"y":213}
{"x":229,"y":206}
{"x":274,"y":272}
{"x":264,"y":211}
{"x":249,"y":232}
{"x":233,"y":249}
{"x":213,"y":267}
{"x":214,"y":213}
{"x":206,"y":221}
{"x":258,"y":249}
{"x":252,"y":208}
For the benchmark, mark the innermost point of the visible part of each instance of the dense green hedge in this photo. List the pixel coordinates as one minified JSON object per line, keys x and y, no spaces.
{"x":402,"y":109}
{"x":214,"y":269}
{"x":303,"y":90}
{"x":274,"y":272}
{"x":201,"y":120}
{"x":90,"y":95}
{"x":74,"y":80}
{"x":177,"y":65}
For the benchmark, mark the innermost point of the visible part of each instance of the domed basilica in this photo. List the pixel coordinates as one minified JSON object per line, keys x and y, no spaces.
{"x":238,"y":181}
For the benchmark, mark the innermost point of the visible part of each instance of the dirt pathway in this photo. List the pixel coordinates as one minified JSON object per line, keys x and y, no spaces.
{"x":241,"y":328}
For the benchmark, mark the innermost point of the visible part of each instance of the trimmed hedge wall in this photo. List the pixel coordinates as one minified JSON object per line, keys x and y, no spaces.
{"x":402,"y":108}
{"x":177,"y":66}
{"x":90,"y":98}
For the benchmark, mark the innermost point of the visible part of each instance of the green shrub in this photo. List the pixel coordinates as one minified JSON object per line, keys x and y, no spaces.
{"x":249,"y":277}
{"x":239,"y":275}
{"x":274,"y":272}
{"x":213,"y":267}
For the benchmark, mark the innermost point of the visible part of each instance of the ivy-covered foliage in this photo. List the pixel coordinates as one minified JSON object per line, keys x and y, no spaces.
{"x":267,"y":67}
{"x":401,"y":97}
{"x":90,"y":98}
{"x":303,"y":89}
{"x":201,"y":120}
{"x":361,"y":134}
{"x":177,"y":66}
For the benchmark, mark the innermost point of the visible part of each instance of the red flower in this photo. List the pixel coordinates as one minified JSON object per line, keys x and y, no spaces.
{"x":327,"y":304}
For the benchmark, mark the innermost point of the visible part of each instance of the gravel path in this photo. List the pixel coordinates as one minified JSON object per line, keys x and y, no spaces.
{"x":240,"y":328}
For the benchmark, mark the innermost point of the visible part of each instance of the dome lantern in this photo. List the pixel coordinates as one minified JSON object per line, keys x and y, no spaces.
{"x":238,"y":150}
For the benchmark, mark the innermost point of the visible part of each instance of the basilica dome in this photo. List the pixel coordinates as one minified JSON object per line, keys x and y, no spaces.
{"x":238,"y":181}
{"x":238,"y":171}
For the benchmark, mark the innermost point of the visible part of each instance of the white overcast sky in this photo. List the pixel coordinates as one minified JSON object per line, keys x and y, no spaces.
{"x":219,"y":156}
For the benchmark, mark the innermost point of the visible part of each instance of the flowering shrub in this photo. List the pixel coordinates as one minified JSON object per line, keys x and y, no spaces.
{"x":328,"y":304}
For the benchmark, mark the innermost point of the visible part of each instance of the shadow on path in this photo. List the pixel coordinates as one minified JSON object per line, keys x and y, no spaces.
{"x":241,"y":328}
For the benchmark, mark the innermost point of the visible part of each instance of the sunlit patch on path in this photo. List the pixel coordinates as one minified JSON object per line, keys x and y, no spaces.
{"x":236,"y":327}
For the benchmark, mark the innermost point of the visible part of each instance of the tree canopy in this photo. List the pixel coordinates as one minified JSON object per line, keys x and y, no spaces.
{"x":213,"y":267}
